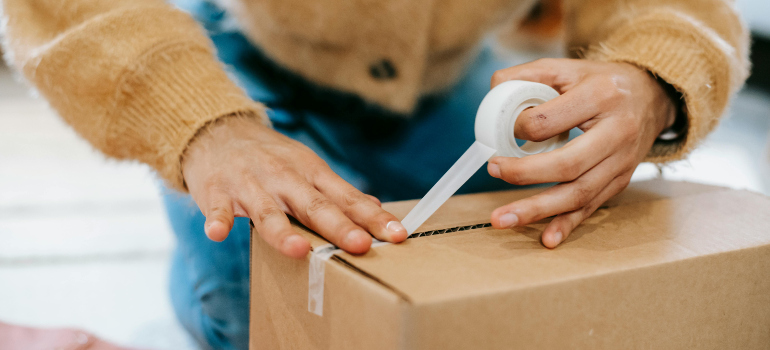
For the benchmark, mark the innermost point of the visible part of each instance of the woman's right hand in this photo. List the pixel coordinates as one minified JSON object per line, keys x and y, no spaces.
{"x":240,"y":167}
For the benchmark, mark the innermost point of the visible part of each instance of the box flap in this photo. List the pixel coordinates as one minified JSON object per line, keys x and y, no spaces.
{"x":473,"y":209}
{"x":649,"y":224}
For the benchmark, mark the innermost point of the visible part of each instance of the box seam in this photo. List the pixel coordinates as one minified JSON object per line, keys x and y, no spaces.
{"x":403,"y":296}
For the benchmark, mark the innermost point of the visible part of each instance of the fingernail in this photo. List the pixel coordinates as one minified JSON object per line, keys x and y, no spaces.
{"x":556,"y":238}
{"x":354,"y":236}
{"x":395,"y":228}
{"x":494,"y":170}
{"x":509,"y":219}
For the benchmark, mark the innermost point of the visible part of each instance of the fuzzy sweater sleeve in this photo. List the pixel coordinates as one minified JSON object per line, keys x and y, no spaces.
{"x":700,"y":47}
{"x":136,"y":78}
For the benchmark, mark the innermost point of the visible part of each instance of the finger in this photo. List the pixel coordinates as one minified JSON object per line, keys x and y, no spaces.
{"x":562,"y":225}
{"x":218,"y":210}
{"x":272,"y":224}
{"x":360,"y":208}
{"x":375,"y":200}
{"x":321,"y":215}
{"x":562,"y":198}
{"x":558,"y":115}
{"x":558,"y":73}
{"x":563,"y":164}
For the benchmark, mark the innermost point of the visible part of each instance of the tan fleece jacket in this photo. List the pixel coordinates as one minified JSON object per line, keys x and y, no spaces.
{"x":139,"y":78}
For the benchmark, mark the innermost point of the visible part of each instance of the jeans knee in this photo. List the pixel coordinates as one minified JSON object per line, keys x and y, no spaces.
{"x":215,"y":312}
{"x":225,"y":315}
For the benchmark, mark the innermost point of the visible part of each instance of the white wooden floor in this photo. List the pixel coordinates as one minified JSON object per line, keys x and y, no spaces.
{"x":84,"y":241}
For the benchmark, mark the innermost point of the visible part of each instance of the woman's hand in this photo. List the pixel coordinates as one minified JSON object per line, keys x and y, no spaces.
{"x":621,"y":108}
{"x":239,"y":167}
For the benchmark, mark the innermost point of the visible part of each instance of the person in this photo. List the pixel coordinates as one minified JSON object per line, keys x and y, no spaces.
{"x":319,"y":102}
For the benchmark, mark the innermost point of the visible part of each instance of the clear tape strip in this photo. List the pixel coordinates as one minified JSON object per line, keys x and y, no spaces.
{"x":494,"y":130}
{"x":319,"y":256}
{"x":315,"y":290}
{"x":495,"y":120}
{"x":462,"y":170}
{"x":316,"y":272}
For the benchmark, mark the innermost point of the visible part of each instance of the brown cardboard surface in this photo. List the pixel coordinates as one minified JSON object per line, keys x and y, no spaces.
{"x":663,"y":265}
{"x":647,"y":233}
{"x":280,"y":318}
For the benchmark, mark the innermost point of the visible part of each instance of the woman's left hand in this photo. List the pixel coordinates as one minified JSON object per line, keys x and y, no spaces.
{"x":621,"y":108}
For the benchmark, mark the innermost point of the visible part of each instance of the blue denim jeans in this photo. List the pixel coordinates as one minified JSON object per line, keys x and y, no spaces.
{"x":390,"y":157}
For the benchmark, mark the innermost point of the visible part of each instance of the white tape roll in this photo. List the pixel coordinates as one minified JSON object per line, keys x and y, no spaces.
{"x":495,"y":122}
{"x":497,"y":114}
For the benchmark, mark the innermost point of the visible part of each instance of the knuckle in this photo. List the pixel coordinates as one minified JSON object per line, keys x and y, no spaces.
{"x":252,"y":185}
{"x":262,"y":202}
{"x":319,"y":172}
{"x":316,"y":205}
{"x":353,"y":197}
{"x":498,"y":77}
{"x":581,"y":195}
{"x":605,"y":95}
{"x":212,"y":184}
{"x":217,"y":209}
{"x":274,"y":166}
{"x":631,"y":129}
{"x":220,"y":212}
{"x":264,"y":208}
{"x":587,"y":211}
{"x":609,"y":90}
{"x":320,"y":166}
{"x":268,"y":212}
{"x":612,"y":80}
{"x":534,"y":127}
{"x":247,"y":175}
{"x":607,"y":81}
{"x":525,"y":126}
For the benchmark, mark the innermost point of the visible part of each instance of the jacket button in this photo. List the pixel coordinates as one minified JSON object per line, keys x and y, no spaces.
{"x":383,"y":70}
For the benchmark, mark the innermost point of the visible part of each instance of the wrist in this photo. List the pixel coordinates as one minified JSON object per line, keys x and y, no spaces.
{"x":676,"y":120}
{"x":661,"y":100}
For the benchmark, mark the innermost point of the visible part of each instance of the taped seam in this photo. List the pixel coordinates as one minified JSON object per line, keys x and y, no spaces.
{"x":317,"y":271}
{"x":321,"y":254}
{"x":373,"y":278}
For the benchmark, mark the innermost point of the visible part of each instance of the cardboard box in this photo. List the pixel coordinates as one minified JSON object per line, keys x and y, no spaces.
{"x":664,"y":265}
